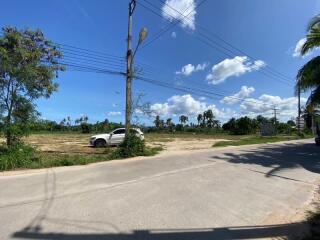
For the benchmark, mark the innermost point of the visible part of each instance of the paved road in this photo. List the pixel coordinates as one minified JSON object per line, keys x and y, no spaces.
{"x":231,"y":193}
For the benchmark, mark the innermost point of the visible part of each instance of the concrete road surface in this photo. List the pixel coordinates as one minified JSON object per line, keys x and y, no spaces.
{"x":228,"y":193}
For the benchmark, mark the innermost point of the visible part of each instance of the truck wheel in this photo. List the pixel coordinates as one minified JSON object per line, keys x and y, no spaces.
{"x":99,"y":143}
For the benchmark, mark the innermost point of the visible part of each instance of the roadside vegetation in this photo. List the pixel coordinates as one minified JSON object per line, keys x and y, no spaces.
{"x":23,"y":156}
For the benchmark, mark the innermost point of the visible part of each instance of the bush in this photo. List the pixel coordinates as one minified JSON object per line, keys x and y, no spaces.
{"x":85,"y":128}
{"x":132,"y":146}
{"x":17,"y":156}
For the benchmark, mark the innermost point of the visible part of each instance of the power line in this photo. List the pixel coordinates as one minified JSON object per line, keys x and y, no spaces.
{"x":222,"y":40}
{"x":198,"y":91}
{"x":170,"y":25}
{"x":277,"y":77}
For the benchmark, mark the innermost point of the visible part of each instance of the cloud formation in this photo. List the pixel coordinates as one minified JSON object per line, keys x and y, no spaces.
{"x":238,"y":97}
{"x":264,"y":104}
{"x":187,"y":105}
{"x":112,"y":113}
{"x":182,"y":10}
{"x":236,"y":66}
{"x":188,"y":69}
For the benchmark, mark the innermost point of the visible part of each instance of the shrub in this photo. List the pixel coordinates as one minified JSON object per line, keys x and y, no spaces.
{"x":19,"y":155}
{"x":85,"y":128}
{"x":132,"y":146}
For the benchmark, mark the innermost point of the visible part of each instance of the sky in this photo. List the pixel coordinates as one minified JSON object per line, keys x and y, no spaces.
{"x":234,"y":57}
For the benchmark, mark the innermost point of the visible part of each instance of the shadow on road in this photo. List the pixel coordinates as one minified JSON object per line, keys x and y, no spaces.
{"x":225,"y":233}
{"x":278,"y":157}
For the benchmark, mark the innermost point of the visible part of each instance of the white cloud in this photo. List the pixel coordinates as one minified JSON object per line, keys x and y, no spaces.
{"x":187,"y":105}
{"x":174,"y":35}
{"x":297,"y":50}
{"x":112,"y":113}
{"x":185,"y":12}
{"x":237,"y":97}
{"x":189,"y":69}
{"x":287,"y":107}
{"x":237,"y":66}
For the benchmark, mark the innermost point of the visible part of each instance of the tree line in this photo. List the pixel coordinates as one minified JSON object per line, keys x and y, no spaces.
{"x":207,"y":123}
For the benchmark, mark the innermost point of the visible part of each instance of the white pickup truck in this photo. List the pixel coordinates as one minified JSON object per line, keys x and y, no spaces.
{"x":113,"y":138}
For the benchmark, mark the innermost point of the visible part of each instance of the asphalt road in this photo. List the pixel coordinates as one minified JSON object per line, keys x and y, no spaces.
{"x":230,"y":193}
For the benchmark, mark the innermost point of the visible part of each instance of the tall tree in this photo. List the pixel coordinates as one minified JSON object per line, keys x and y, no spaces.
{"x":169,"y":122}
{"x":183,"y":119}
{"x":28,"y":63}
{"x":308,"y":77}
{"x":199,"y":118}
{"x":157,"y":122}
{"x":210,"y":118}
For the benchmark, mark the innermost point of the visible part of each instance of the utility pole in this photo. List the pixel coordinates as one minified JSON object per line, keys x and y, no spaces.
{"x":132,"y":6}
{"x":130,"y":57}
{"x":275,"y":117}
{"x":299,"y":107}
{"x":275,"y":114}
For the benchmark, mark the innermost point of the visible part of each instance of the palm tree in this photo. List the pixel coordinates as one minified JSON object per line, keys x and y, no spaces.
{"x":199,"y":118}
{"x":308,"y":77}
{"x":157,"y":122}
{"x":210,"y":117}
{"x":169,"y":122}
{"x":183,"y":119}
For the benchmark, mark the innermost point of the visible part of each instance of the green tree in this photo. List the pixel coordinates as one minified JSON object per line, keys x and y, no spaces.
{"x":244,"y":125}
{"x":183,"y":119}
{"x":28,"y":63}
{"x":199,"y":118}
{"x":210,"y":118}
{"x":157,"y":122}
{"x":291,"y":123}
{"x":308,"y":77}
{"x":170,"y":124}
{"x":230,"y":125}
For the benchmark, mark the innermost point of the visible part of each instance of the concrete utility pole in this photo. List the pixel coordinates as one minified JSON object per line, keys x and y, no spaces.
{"x":275,"y":117}
{"x":132,"y":6}
{"x":130,"y":57}
{"x":299,"y":108}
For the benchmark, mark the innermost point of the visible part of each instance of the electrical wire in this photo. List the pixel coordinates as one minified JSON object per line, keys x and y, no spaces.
{"x":283,"y":79}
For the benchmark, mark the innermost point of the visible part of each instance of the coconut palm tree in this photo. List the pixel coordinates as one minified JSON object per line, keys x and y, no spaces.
{"x":199,"y":118}
{"x":183,"y":119}
{"x":308,"y":77}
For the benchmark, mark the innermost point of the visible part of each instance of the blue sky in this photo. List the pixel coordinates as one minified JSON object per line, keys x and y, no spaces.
{"x":266,"y":32}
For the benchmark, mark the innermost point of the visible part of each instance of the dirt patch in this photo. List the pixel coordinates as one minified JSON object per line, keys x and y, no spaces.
{"x":181,"y":145}
{"x":63,"y":143}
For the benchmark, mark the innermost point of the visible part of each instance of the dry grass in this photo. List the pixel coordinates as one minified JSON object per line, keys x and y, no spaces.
{"x":71,"y":143}
{"x":77,"y":143}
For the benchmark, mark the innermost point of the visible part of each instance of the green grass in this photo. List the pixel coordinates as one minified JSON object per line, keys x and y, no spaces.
{"x":248,"y":140}
{"x":26,"y":157}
